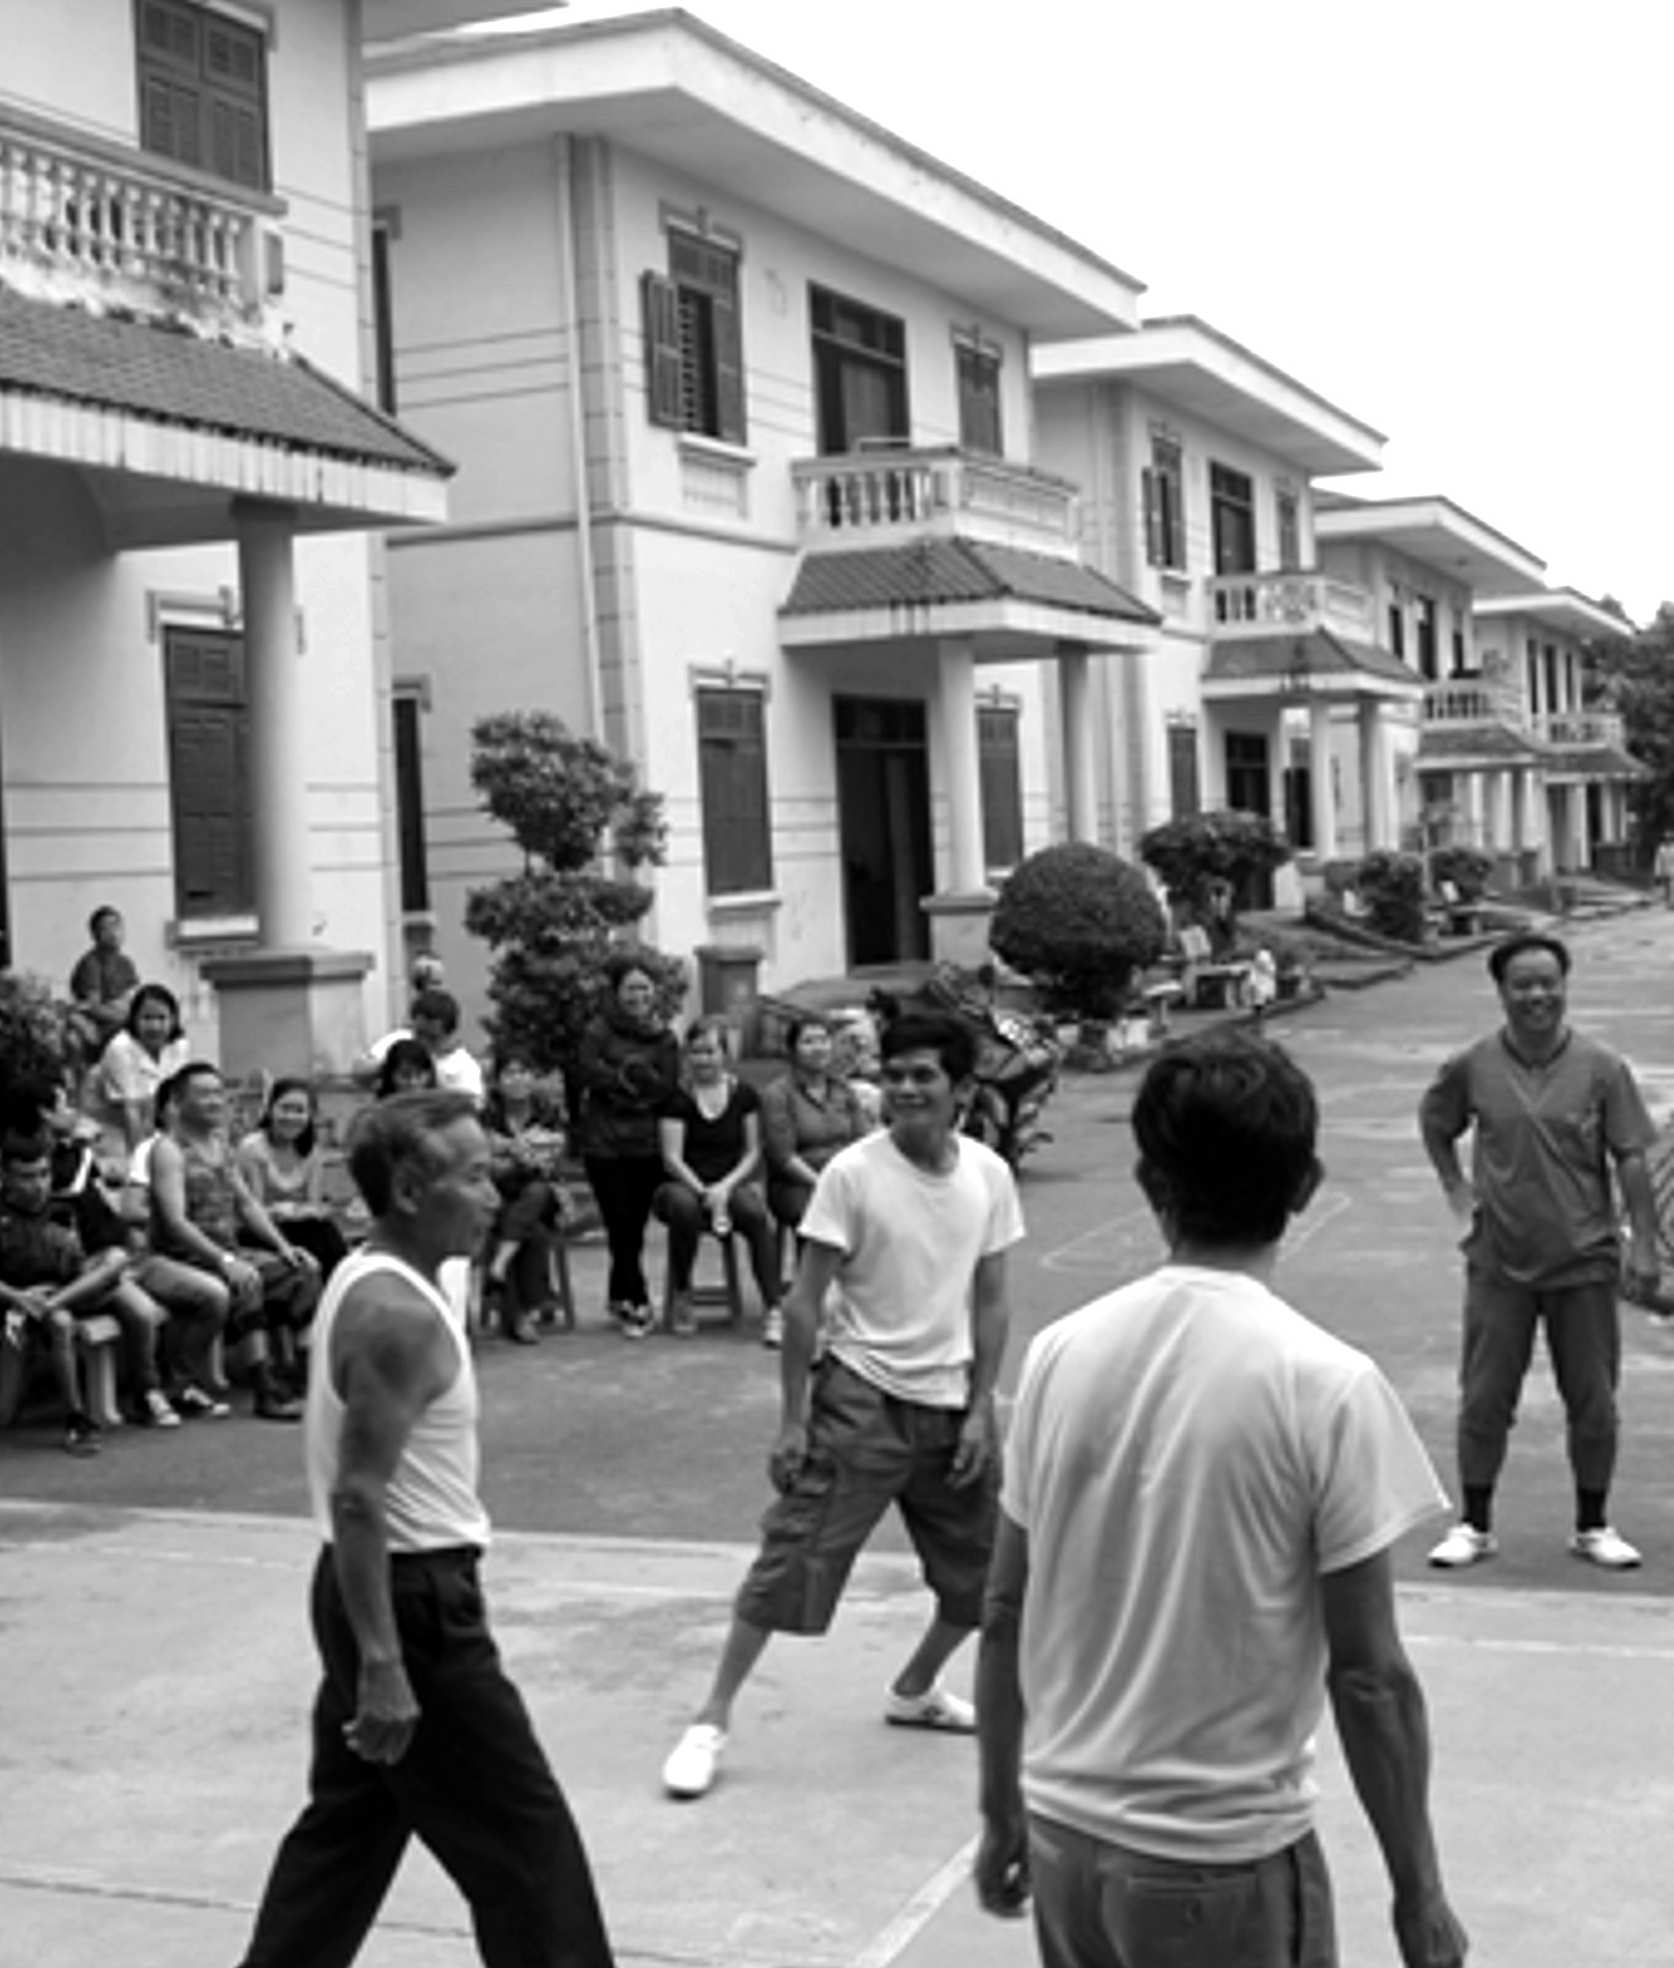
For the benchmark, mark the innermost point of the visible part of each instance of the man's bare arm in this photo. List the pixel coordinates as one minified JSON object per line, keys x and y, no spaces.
{"x":1002,"y":1861}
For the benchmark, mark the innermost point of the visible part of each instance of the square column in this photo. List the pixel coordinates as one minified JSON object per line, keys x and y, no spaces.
{"x":959,"y":911}
{"x":1377,"y":777}
{"x":1076,"y":711}
{"x":1320,"y":781}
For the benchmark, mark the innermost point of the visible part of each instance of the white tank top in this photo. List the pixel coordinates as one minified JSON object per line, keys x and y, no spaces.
{"x":432,"y":1500}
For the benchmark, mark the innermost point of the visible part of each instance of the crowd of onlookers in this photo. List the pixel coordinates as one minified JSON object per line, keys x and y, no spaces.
{"x":127,"y":1191}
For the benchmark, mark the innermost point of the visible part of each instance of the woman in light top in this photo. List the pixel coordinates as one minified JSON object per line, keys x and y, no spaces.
{"x":281,"y":1162}
{"x":150,"y":1048}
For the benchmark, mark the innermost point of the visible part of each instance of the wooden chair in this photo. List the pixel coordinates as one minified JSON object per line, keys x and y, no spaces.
{"x":729,"y":1292}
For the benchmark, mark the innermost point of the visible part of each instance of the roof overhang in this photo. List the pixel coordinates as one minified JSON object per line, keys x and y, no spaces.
{"x":1564,"y":609}
{"x":1001,"y":630}
{"x":1306,"y":666}
{"x":1205,"y":374}
{"x":1440,"y":535}
{"x":673,"y":89}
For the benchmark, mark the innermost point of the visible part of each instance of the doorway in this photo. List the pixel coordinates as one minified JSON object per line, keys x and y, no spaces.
{"x":1249,"y":789}
{"x":883,"y":824}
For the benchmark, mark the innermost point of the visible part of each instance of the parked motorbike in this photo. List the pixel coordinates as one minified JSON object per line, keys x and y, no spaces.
{"x":1017,"y":1057}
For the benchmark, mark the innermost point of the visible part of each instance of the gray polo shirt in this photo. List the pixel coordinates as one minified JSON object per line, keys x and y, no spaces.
{"x":1545,"y":1138}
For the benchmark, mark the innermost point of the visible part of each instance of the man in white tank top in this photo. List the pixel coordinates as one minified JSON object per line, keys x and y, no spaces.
{"x":417,"y":1730}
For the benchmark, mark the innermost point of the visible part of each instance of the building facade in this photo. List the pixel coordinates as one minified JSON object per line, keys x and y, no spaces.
{"x":191,"y":642}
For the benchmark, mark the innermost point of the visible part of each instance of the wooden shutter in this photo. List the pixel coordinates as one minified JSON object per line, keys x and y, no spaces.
{"x":726,"y":319}
{"x":660,"y":310}
{"x":732,"y":773}
{"x":1151,"y":496}
{"x":203,"y":91}
{"x":209,"y":774}
{"x":1002,"y":787}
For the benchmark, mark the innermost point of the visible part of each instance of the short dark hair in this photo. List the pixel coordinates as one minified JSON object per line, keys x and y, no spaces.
{"x":623,"y":964}
{"x":101,"y":914}
{"x":441,"y":1006}
{"x":810,"y":1021}
{"x":402,"y":1053}
{"x":953,"y":1042}
{"x":1501,"y":957}
{"x":1227,"y":1127}
{"x":18,"y":1145}
{"x":291,"y":1083}
{"x":158,"y":994}
{"x":401,"y":1133}
{"x":195,"y":1069}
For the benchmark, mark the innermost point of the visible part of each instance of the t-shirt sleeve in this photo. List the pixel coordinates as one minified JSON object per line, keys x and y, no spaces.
{"x":119,"y":1072}
{"x":1446,"y":1106}
{"x":1017,"y":1462}
{"x":1373,"y":1480}
{"x":1005,"y":1213}
{"x":84,"y":979}
{"x":1628,"y":1127}
{"x":829,"y":1217}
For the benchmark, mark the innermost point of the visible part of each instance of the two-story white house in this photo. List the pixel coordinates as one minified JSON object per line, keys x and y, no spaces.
{"x":738,"y":384}
{"x":191,"y":644}
{"x":1265,"y":687}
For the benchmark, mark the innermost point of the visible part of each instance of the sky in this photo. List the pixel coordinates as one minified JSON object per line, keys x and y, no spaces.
{"x":1452,"y":218}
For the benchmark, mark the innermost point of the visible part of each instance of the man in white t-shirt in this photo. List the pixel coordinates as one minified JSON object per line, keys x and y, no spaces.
{"x":1201,"y":1491}
{"x":432,"y":1019}
{"x":909,"y":1229}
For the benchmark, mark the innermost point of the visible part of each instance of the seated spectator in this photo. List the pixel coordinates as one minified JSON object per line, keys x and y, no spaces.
{"x":432,"y":1019}
{"x":407,"y":1067}
{"x":281,"y":1163}
{"x":807,"y":1114}
{"x":149,"y":1048}
{"x":710,"y":1134}
{"x":48,"y":1282}
{"x":203,"y":1214}
{"x":526,"y":1139}
{"x":102,"y":986}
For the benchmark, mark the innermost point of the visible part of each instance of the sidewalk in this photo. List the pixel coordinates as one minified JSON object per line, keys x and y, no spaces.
{"x":152,"y":1724}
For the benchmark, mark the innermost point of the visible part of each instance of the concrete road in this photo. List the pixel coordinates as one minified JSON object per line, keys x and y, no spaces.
{"x":157,"y":1669}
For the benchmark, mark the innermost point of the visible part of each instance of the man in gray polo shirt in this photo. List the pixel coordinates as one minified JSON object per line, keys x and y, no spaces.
{"x":1551,"y":1111}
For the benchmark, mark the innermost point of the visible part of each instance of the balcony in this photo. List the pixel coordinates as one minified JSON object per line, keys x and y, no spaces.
{"x":1576,"y":730}
{"x":1473,"y":703}
{"x":889,"y":497}
{"x":1292,"y":599}
{"x":91,"y":223}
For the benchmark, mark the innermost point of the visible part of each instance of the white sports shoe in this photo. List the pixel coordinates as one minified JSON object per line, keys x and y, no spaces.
{"x":694,"y":1760}
{"x":1464,"y":1545}
{"x":1605,"y":1547}
{"x":936,"y":1708}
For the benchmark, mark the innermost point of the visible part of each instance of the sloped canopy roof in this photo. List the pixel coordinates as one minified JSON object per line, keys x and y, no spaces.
{"x":1313,"y":658}
{"x":933,"y":571}
{"x":1446,"y":745}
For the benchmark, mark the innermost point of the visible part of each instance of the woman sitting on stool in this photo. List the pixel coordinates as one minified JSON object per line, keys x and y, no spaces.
{"x":807,"y":1114}
{"x":525,"y":1140}
{"x":711,"y":1142}
{"x":281,"y":1161}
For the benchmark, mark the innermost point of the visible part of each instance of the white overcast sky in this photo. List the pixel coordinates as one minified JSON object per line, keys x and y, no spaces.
{"x":1453,"y":218}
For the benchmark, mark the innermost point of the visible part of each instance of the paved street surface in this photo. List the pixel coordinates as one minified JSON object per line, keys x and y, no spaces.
{"x":157,"y":1668}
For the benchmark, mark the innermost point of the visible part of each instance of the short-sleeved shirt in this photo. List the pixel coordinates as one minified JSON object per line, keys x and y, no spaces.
{"x":714,"y":1148}
{"x":128,"y":1072}
{"x":102,"y":976}
{"x":1545,"y":1137}
{"x":810,"y":1122}
{"x":36,"y":1250}
{"x":1188,"y":1456}
{"x":911,"y":1241}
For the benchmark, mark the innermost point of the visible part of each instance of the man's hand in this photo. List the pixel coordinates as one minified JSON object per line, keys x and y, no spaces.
{"x":244,"y":1281}
{"x":1644,"y":1272}
{"x":976,"y":1446}
{"x":295,"y":1256}
{"x":1001,"y":1868}
{"x":1427,"y":1932}
{"x":385,"y":1713}
{"x":788,"y":1454}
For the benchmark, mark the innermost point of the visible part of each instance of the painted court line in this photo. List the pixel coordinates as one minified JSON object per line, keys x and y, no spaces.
{"x":892,"y":1941}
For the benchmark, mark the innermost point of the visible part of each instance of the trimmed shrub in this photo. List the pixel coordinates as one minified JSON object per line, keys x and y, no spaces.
{"x":1193,"y":855}
{"x":1468,"y":868}
{"x":1078,"y":921}
{"x":1392,"y":887}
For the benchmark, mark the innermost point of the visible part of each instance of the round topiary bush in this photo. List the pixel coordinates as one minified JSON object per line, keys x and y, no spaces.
{"x":1392,"y":887}
{"x":1078,"y":921}
{"x":1467,"y":868}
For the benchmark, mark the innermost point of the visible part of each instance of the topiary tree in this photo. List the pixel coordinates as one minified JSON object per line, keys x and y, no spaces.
{"x":1392,"y":887}
{"x":1467,"y":868}
{"x":34,"y":1029}
{"x":569,"y":803}
{"x":1208,"y":861}
{"x":1078,"y":921}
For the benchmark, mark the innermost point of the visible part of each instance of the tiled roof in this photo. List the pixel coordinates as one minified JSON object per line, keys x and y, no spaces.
{"x":953,"y":570}
{"x":161,"y":374}
{"x":1440,"y":744}
{"x":1317,"y":652}
{"x":1596,"y":762}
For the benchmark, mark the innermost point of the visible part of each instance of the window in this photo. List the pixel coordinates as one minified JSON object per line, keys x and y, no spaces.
{"x":1461,"y":658}
{"x":1184,"y":795}
{"x":694,"y":344}
{"x":1232,"y":520}
{"x":384,"y":232}
{"x":203,"y":91}
{"x":860,"y":374}
{"x":209,"y":773}
{"x":978,"y":371}
{"x":407,"y":713}
{"x":732,"y":786}
{"x":1163,"y":483}
{"x":1428,"y":665}
{"x":1397,"y":629}
{"x":1289,"y":512}
{"x":1002,"y":786}
{"x":1549,"y":657}
{"x":1532,"y":663}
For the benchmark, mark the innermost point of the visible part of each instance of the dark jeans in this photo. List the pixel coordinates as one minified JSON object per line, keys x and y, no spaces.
{"x":474,"y":1785}
{"x":320,"y":1237}
{"x":1583,"y":1336}
{"x":686,"y":1218}
{"x":1099,"y":1905}
{"x":529,"y":1219}
{"x":623,"y":1186}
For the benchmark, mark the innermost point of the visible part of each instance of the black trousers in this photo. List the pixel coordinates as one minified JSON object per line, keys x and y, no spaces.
{"x":623,"y":1186}
{"x":474,"y":1785}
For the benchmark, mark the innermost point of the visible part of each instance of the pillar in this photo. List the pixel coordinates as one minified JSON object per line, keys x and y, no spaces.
{"x":1376,"y":777}
{"x":1076,"y":709}
{"x":1319,"y":778}
{"x":961,"y":908}
{"x":278,"y":726}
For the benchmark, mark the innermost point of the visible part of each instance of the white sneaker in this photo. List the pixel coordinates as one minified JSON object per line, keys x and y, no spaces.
{"x":158,"y":1413}
{"x":936,"y":1708}
{"x":1464,"y":1545}
{"x":1605,"y":1547}
{"x":694,"y":1760}
{"x":773,"y":1327}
